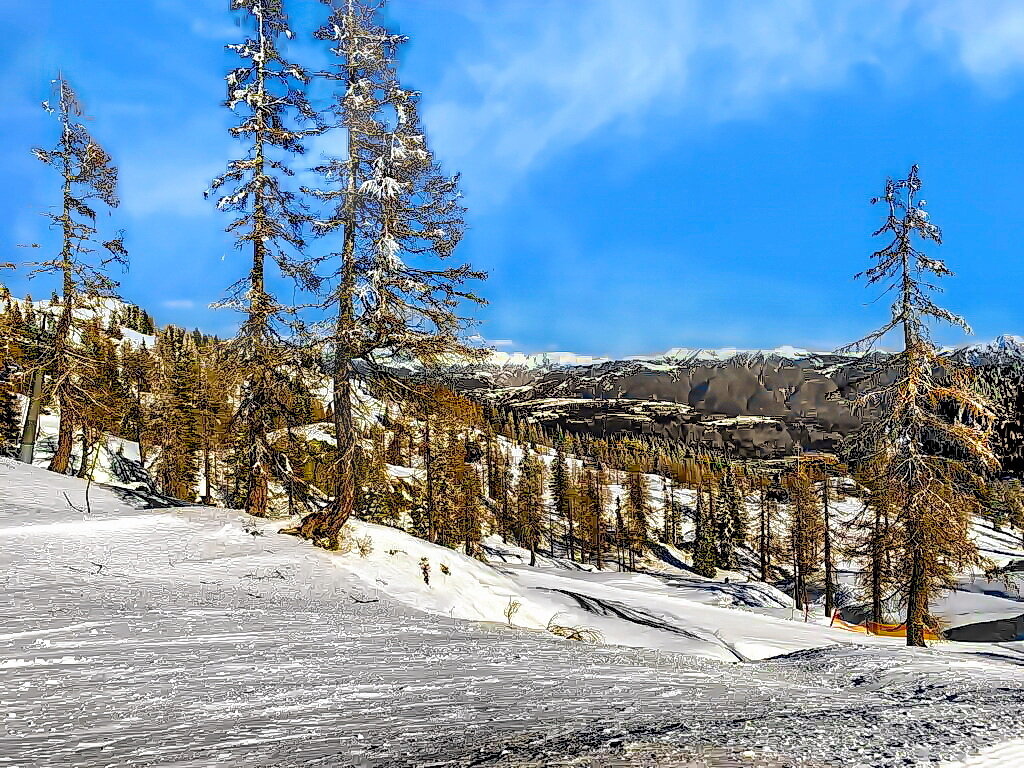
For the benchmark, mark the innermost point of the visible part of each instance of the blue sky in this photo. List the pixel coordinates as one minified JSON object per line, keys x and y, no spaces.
{"x":640,"y":174}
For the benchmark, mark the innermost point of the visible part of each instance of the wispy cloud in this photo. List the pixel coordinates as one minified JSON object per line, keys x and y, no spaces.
{"x":178,"y":304}
{"x":541,"y":82}
{"x":987,"y":41}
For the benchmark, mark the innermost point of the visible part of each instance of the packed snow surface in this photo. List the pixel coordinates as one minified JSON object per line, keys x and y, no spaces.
{"x":197,"y":637}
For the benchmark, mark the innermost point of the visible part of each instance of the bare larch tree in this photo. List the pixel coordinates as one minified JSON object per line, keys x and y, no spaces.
{"x":83,"y":263}
{"x":395,"y":218}
{"x":931,"y":439}
{"x":268,"y":93}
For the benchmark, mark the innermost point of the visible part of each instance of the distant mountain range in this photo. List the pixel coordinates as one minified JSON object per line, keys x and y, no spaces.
{"x":1005,"y":346}
{"x":753,"y":403}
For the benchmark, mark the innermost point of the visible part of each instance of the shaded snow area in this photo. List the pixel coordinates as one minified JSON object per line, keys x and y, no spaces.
{"x":199,"y":637}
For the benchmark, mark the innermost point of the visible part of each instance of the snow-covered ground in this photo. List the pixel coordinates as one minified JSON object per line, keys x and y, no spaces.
{"x":196,"y":637}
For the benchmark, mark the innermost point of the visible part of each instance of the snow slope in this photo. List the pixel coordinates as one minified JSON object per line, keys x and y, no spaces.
{"x":195,"y":637}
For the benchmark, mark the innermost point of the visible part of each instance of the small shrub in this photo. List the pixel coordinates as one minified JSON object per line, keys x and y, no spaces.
{"x":444,"y":570}
{"x":364,"y":545}
{"x":511,"y":610}
{"x":425,"y":570}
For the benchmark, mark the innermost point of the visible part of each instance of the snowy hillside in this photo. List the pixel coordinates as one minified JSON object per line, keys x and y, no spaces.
{"x":195,"y":636}
{"x":108,"y":312}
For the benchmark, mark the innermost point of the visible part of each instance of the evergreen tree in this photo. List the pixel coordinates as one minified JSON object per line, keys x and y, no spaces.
{"x":732,"y":521}
{"x":374,"y":502}
{"x":138,"y":371}
{"x":470,"y":513}
{"x":826,"y":537}
{"x":177,"y":414}
{"x":637,"y":508}
{"x":530,"y":504}
{"x":394,"y":213}
{"x":267,"y":92}
{"x":620,"y":534}
{"x":873,"y":539}
{"x":87,"y":174}
{"x":671,"y":513}
{"x":559,"y":493}
{"x":705,"y":547}
{"x":104,"y":397}
{"x":805,"y":528}
{"x":591,"y":516}
{"x":10,"y":413}
{"x":502,"y":493}
{"x":215,"y":414}
{"x":767,"y":507}
{"x":932,"y":438}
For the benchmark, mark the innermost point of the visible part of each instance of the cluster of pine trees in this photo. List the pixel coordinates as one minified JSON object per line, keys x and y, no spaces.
{"x":365,"y":252}
{"x":172,"y":399}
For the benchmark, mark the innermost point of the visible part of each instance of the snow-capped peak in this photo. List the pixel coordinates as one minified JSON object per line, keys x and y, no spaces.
{"x":542,"y":359}
{"x":727,"y":353}
{"x":674,"y":355}
{"x":1004,"y":346}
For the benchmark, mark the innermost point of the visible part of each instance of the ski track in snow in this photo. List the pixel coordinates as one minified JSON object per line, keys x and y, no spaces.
{"x":176,"y":638}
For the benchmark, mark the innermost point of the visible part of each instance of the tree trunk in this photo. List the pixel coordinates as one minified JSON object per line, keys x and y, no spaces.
{"x":917,"y":589}
{"x":829,"y":576}
{"x":618,"y":537}
{"x":571,"y":548}
{"x":917,"y":601}
{"x":83,"y":467}
{"x":877,"y":561}
{"x":324,"y":527}
{"x":62,"y":456}
{"x":763,"y":538}
{"x":31,"y":428}
{"x":429,"y":471}
{"x":207,"y":471}
{"x":256,"y":502}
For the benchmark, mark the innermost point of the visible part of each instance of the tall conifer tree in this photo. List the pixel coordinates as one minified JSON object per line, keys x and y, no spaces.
{"x":530,"y":504}
{"x":705,"y":550}
{"x":394,"y":219}
{"x":267,"y":92}
{"x":932,"y":439}
{"x":88,"y":175}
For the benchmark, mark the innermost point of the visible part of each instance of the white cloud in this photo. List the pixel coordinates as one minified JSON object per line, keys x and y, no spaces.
{"x":545,"y":78}
{"x":178,"y":304}
{"x":988,"y":39}
{"x":501,"y":343}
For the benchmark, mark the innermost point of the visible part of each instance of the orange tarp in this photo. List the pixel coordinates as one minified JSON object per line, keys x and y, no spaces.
{"x":884,"y":630}
{"x":896,"y":630}
{"x":840,"y":624}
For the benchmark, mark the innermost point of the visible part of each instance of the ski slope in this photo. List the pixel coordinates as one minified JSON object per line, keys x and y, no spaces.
{"x":197,"y":637}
